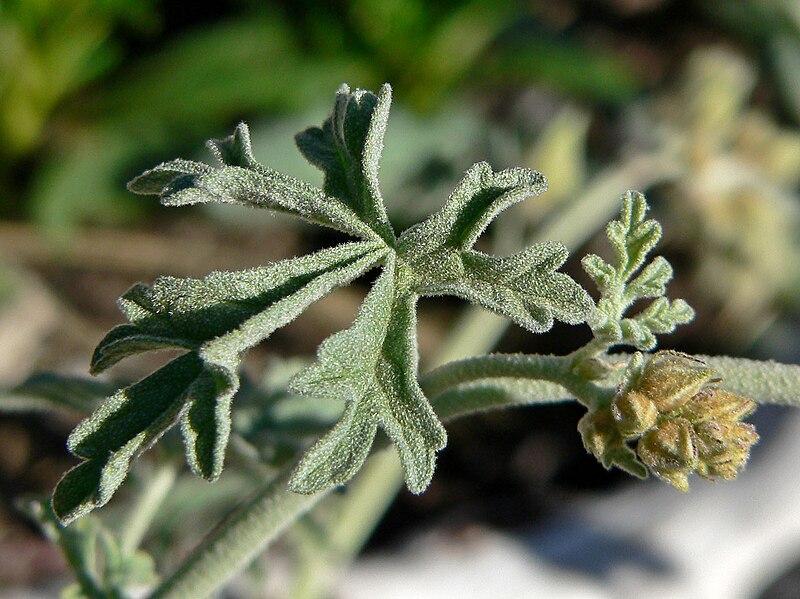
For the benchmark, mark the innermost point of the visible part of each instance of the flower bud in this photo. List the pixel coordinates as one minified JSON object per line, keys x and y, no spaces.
{"x":723,"y":447}
{"x":670,"y":379}
{"x":598,"y":432}
{"x":669,"y":452}
{"x":718,"y":404}
{"x":634,"y":413}
{"x":682,"y":423}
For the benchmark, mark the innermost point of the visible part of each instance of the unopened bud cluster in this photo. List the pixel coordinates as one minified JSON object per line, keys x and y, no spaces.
{"x":680,"y":421}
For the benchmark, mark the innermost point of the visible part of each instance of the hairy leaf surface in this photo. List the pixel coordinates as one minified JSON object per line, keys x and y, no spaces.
{"x":373,"y":367}
{"x":480,"y":196}
{"x":242,"y":180}
{"x":216,"y":319}
{"x":524,"y":287}
{"x":632,"y":237}
{"x":347,"y":148}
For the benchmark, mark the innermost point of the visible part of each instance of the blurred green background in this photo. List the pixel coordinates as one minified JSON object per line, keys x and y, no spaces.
{"x":695,"y":103}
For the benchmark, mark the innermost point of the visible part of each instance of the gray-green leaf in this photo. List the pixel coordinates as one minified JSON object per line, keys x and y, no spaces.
{"x":127,"y":424}
{"x":348,"y":147}
{"x":632,"y":238}
{"x":228,"y":312}
{"x":216,"y":318}
{"x":480,"y":196}
{"x":524,"y":287}
{"x":372,"y":366}
{"x":241,"y":180}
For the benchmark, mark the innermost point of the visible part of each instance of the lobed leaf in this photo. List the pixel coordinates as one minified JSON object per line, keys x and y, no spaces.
{"x":216,"y":319}
{"x":228,"y":312}
{"x":128,"y":423}
{"x":632,"y":237}
{"x":601,"y":272}
{"x":347,"y":148}
{"x":373,"y":367}
{"x":663,"y":315}
{"x":651,"y":282}
{"x":480,"y":196}
{"x":242,"y":180}
{"x":524,"y":287}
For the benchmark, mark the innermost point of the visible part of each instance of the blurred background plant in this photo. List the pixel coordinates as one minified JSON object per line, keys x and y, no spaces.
{"x":696,"y":103}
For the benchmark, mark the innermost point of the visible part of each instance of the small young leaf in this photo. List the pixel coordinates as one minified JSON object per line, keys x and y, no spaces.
{"x":372,"y":366}
{"x":637,"y":334}
{"x":601,"y":272}
{"x":662,"y":316}
{"x":241,"y":180}
{"x":632,"y":238}
{"x":348,"y":147}
{"x":651,"y":282}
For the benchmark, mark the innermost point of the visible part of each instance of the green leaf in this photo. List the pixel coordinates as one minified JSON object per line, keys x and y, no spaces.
{"x":127,"y":424}
{"x":347,"y":148}
{"x":601,"y":272}
{"x":524,"y":287}
{"x":46,"y":392}
{"x":662,"y":316}
{"x":651,"y":281}
{"x":372,"y":366}
{"x":216,"y":318}
{"x":228,"y":312}
{"x":241,"y":180}
{"x":480,"y":196}
{"x":632,"y":238}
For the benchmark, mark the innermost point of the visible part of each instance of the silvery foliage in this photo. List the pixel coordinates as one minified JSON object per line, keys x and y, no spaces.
{"x":632,"y":238}
{"x":371,"y":366}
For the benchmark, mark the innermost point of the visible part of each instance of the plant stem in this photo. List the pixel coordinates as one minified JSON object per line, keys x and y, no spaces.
{"x":368,"y":497}
{"x":156,"y":490}
{"x":552,"y":369}
{"x":237,"y":540}
{"x":549,"y":368}
{"x":509,"y":380}
{"x":764,"y":382}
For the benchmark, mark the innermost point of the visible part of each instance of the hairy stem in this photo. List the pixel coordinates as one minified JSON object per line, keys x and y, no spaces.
{"x":138,"y":521}
{"x":525,"y":379}
{"x":368,"y":497}
{"x":237,"y":541}
{"x":553,"y":369}
{"x":764,"y":382}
